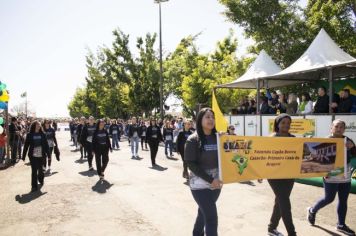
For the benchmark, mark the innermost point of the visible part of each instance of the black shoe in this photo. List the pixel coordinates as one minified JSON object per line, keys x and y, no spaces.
{"x":346,"y":230}
{"x":33,"y":190}
{"x":91,"y":169}
{"x":185,"y":175}
{"x":311,"y":216}
{"x":274,"y":232}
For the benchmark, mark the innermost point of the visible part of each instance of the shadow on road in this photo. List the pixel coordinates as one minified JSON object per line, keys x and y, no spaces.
{"x":327,"y":231}
{"x":172,"y":158}
{"x":28,"y":197}
{"x":101,"y":186}
{"x":248,"y":183}
{"x":158,"y":168}
{"x":50,"y":174}
{"x":80,"y":161}
{"x":88,"y":173}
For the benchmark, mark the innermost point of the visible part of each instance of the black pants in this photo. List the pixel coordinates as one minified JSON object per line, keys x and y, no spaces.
{"x":101,"y":159}
{"x":83,"y":151}
{"x":14,"y":150}
{"x":154,"y":149}
{"x":207,"y":212}
{"x":48,"y":158}
{"x":282,"y":189}
{"x":37,"y":171}
{"x":89,"y":148}
{"x":143,"y":140}
{"x":185,"y":165}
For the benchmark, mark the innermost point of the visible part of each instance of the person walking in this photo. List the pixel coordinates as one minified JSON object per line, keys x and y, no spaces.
{"x":114,"y":132}
{"x":168,"y":139}
{"x":282,"y":188}
{"x":101,"y":147}
{"x":201,"y":154}
{"x":134,"y":136}
{"x":153,"y":137}
{"x":52,"y":141}
{"x":181,"y":140}
{"x":36,"y":145}
{"x":87,"y":138}
{"x":340,"y":185}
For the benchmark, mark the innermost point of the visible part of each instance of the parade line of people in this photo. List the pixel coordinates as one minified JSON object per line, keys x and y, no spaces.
{"x":197,"y":145}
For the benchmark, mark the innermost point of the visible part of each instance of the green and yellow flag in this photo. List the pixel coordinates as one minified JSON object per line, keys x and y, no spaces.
{"x":220,"y":121}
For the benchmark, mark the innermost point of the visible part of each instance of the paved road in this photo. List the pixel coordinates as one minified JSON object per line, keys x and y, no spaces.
{"x":138,"y":200}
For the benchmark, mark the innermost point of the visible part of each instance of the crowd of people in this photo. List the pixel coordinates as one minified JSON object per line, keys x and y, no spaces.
{"x":196,"y":143}
{"x":278,"y":103}
{"x":147,"y":133}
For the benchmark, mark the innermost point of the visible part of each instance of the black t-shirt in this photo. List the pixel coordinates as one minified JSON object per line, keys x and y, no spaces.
{"x":101,"y":137}
{"x":208,"y":156}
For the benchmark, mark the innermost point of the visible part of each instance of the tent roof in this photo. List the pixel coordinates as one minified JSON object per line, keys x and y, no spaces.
{"x":322,"y":53}
{"x":262,"y":66}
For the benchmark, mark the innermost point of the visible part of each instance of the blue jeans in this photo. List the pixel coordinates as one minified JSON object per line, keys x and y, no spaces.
{"x":207,"y":212}
{"x":331,"y":189}
{"x":115,"y":141}
{"x":168,"y":144}
{"x":134,"y":145}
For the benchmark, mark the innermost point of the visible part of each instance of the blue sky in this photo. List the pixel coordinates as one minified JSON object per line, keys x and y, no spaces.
{"x":43,"y":43}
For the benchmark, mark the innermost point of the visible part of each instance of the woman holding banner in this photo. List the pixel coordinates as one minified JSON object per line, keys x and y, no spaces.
{"x":201,"y":155}
{"x":337,"y":184}
{"x":282,"y":188}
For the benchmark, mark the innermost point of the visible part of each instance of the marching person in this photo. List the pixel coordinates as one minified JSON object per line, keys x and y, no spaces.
{"x":36,"y":145}
{"x":143,"y":131}
{"x":168,"y":139}
{"x":153,"y":137}
{"x":101,"y":147}
{"x":52,"y":141}
{"x":80,"y":128}
{"x":87,"y":138}
{"x":15,"y":135}
{"x":201,"y":155}
{"x":181,"y":140}
{"x":114,"y":132}
{"x":134,"y":136}
{"x":337,"y":184}
{"x":282,"y":188}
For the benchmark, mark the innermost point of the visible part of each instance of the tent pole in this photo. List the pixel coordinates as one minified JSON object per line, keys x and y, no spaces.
{"x":330,"y":89}
{"x":258,"y":97}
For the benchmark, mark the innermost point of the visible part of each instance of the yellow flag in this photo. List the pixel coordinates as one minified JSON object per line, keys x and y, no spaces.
{"x":220,"y":121}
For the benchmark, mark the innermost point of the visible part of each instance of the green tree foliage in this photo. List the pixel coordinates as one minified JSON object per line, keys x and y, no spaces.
{"x":285,"y":30}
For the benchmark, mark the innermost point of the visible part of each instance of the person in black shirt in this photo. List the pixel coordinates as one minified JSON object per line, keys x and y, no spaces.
{"x":87,"y":138}
{"x":153,"y":137}
{"x":201,"y":154}
{"x":14,"y":139}
{"x":101,"y":147}
{"x":37,"y":147}
{"x":80,"y":128}
{"x":168,"y":138}
{"x":52,"y":141}
{"x":345,"y":104}
{"x":181,"y":140}
{"x":322,"y":102}
{"x":114,"y":132}
{"x":143,"y":132}
{"x":282,"y":188}
{"x":134,"y":136}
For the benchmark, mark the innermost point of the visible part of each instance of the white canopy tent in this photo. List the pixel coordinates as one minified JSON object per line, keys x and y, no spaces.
{"x":323,"y":59}
{"x":261,"y":67}
{"x":323,"y":54}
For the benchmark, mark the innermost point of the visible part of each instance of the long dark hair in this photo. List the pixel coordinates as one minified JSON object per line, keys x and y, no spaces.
{"x":98,"y":124}
{"x":153,"y":119}
{"x":199,"y":125}
{"x":33,"y":127}
{"x":279,"y":119}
